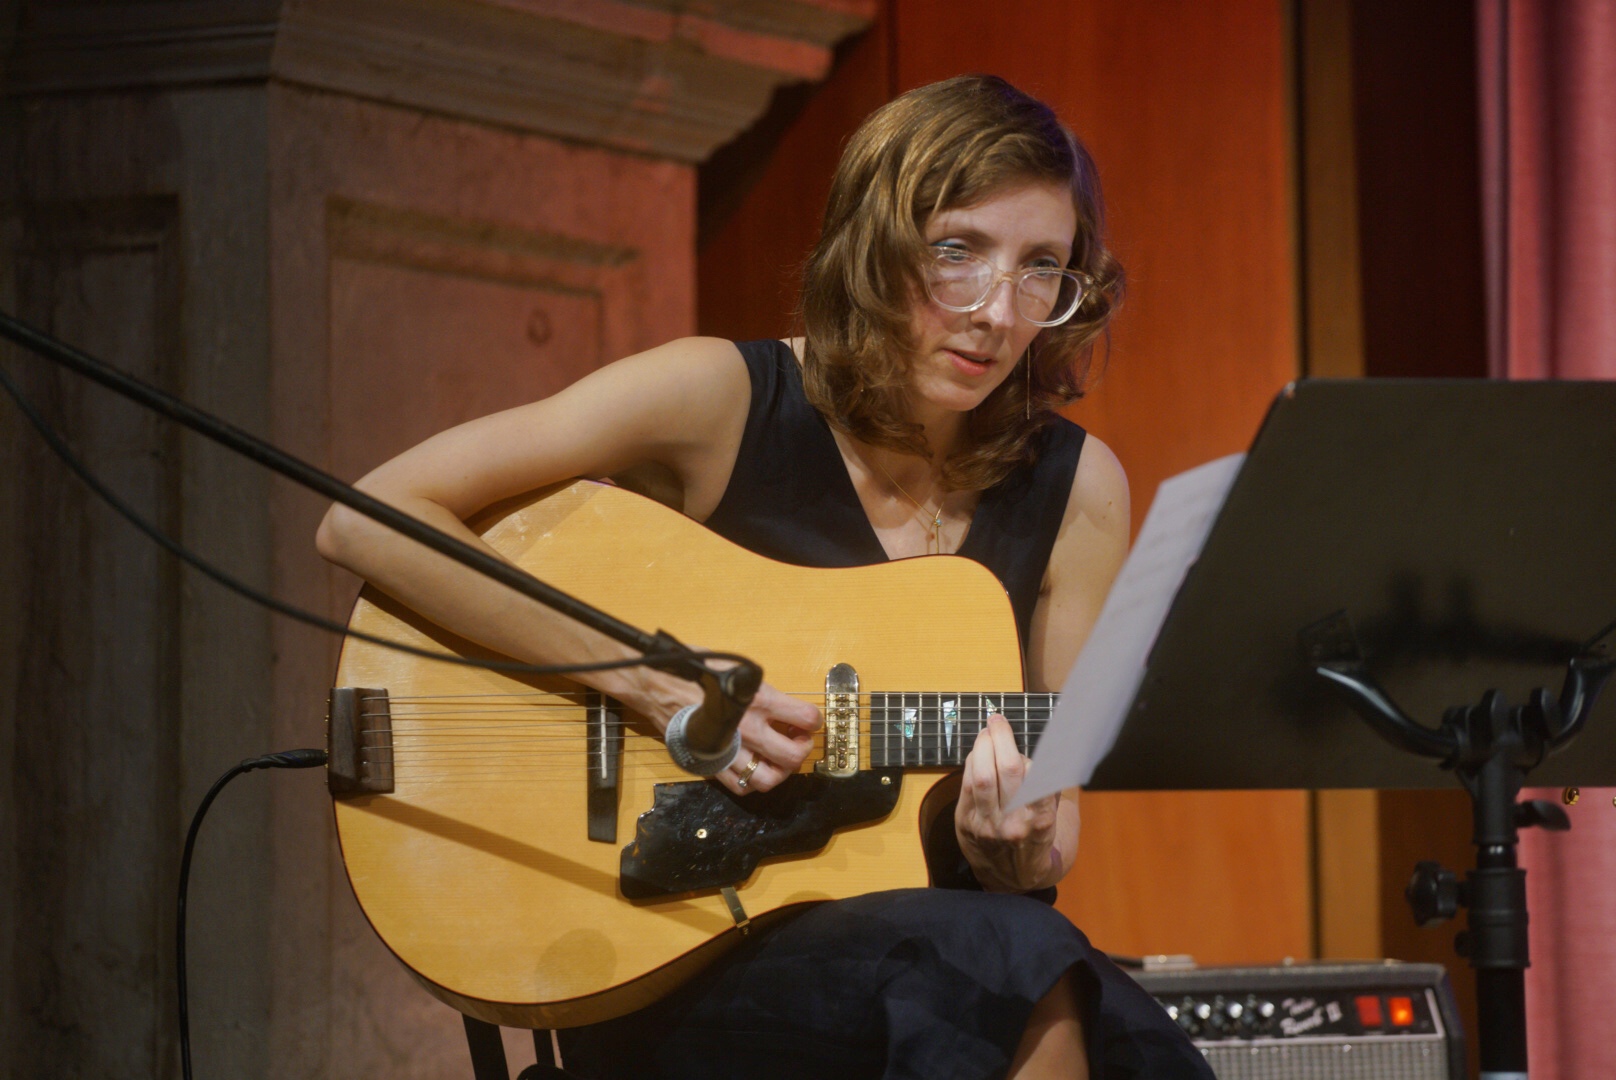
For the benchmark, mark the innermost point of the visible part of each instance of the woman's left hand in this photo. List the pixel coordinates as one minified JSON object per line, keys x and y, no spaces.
{"x":1018,"y":850}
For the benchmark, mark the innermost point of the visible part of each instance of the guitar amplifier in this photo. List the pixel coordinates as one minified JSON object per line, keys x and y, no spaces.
{"x":1317,"y":1021}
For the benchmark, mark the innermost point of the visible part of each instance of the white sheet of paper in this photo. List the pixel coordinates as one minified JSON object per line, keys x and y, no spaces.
{"x":1102,"y":683}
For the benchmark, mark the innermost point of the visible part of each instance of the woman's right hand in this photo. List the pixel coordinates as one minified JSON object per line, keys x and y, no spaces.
{"x":777,"y":734}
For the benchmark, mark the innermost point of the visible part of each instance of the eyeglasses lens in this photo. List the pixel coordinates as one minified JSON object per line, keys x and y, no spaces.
{"x":1048,"y":296}
{"x":961,"y":282}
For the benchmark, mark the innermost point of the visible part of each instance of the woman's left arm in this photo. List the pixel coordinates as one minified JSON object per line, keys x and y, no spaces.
{"x":1033,"y":847}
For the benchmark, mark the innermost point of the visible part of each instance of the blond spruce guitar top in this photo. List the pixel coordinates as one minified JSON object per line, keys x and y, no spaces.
{"x":478,"y":869}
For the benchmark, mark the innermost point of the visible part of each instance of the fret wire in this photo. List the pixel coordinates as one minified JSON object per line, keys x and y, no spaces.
{"x":935,"y":709}
{"x":920,"y":728}
{"x":886,"y":729}
{"x":929,"y":724}
{"x":895,"y":715}
{"x":874,"y":706}
{"x":927,"y":721}
{"x":911,"y":731}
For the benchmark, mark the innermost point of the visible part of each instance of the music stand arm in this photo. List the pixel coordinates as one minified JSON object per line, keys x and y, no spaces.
{"x":1585,"y":677}
{"x":1369,"y":699}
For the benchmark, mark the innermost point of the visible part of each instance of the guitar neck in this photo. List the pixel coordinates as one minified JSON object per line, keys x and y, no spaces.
{"x":915,"y":729}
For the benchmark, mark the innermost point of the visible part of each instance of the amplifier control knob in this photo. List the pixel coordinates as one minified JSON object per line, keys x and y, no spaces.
{"x":1193,"y":1016}
{"x":1254,"y":1016}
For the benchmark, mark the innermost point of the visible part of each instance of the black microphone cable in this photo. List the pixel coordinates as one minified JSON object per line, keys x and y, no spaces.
{"x":59,"y":447}
{"x":287,"y":759}
{"x":291,"y":759}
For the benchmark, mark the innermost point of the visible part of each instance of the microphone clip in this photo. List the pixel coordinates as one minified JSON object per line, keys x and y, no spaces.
{"x":704,"y":739}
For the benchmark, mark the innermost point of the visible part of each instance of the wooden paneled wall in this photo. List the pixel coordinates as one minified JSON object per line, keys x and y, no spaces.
{"x":1185,"y":108}
{"x":1391,"y":261}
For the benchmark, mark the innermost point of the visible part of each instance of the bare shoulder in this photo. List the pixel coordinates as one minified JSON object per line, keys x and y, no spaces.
{"x":681,"y":406}
{"x":691,"y":353}
{"x":1089,"y":551}
{"x":1093,"y":537}
{"x":681,"y":366}
{"x":1100,"y":488}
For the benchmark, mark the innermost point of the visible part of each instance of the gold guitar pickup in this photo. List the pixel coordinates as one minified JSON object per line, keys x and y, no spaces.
{"x":841,"y":758}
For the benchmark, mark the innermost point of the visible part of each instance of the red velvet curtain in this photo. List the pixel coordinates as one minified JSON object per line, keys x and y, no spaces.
{"x":1548,"y":107}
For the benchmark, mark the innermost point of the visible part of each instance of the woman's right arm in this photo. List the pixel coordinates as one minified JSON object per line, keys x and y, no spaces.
{"x":682,"y":406}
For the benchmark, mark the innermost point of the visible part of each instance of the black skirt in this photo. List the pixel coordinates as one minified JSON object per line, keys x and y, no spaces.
{"x":916,"y":983}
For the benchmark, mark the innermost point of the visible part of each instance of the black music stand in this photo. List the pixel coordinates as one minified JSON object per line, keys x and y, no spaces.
{"x":1444,"y":547}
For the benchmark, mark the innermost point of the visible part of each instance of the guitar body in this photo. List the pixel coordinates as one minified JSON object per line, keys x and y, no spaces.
{"x":477,"y":869}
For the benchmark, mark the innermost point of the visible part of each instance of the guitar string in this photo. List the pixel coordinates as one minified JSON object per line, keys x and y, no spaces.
{"x":486,"y":763}
{"x":574,"y":729}
{"x":890,"y":697}
{"x":422,"y":708}
{"x":565,"y":718}
{"x":545,"y":700}
{"x":507,"y":734}
{"x":497,"y":745}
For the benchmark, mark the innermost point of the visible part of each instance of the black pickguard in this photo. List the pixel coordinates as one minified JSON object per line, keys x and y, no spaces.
{"x":668,"y":858}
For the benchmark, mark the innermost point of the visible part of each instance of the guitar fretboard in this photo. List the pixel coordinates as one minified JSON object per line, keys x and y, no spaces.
{"x":939,"y":728}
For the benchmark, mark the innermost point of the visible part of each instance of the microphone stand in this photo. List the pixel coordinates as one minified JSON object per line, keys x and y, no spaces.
{"x":726,"y":692}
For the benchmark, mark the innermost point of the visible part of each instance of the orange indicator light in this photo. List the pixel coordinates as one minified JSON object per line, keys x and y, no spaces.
{"x":1402,"y":1011}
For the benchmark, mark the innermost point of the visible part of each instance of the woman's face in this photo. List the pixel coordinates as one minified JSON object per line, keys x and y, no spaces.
{"x":962,"y":356}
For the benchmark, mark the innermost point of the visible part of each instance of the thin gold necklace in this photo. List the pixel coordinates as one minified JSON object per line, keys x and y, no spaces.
{"x":935,"y":517}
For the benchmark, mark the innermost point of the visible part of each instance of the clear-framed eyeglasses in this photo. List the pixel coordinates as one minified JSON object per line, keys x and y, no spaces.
{"x":1045,"y":295}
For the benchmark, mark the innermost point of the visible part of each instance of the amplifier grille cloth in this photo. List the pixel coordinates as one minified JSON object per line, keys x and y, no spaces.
{"x":1404,"y":1059}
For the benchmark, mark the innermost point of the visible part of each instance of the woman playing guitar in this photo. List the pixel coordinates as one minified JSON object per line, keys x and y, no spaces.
{"x":950,"y":307}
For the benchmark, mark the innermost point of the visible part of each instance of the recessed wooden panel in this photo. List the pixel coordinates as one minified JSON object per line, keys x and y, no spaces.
{"x":97,"y":739}
{"x":452,"y":349}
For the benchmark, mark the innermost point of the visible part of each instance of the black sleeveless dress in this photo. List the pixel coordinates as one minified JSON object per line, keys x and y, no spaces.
{"x":914,"y":983}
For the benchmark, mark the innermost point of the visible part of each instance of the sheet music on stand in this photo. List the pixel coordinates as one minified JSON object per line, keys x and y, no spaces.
{"x":1460,"y":532}
{"x":1102,"y":683}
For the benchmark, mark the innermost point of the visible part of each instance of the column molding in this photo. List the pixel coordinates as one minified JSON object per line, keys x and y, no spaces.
{"x":667,"y":78}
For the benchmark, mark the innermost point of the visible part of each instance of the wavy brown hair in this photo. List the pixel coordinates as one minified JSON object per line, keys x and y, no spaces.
{"x":948,"y":145}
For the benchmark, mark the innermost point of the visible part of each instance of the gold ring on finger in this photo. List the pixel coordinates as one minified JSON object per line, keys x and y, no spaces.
{"x":746,"y":774}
